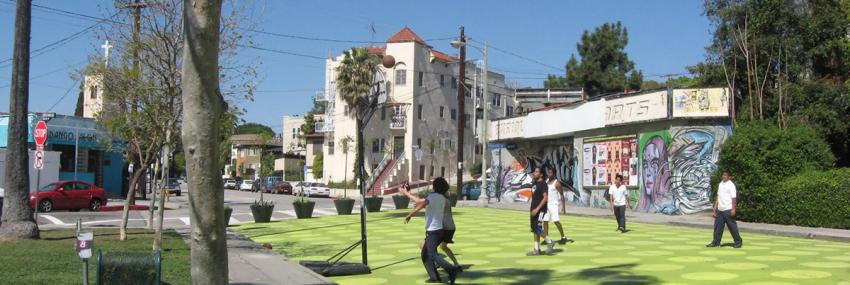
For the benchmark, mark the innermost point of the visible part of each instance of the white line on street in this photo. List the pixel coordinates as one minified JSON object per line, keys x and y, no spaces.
{"x":234,"y":221}
{"x":186,"y":221}
{"x":290,"y":213}
{"x":325,"y":212}
{"x":53,"y":220}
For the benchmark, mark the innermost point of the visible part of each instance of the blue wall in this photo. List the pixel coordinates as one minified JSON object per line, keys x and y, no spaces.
{"x":112,"y":179}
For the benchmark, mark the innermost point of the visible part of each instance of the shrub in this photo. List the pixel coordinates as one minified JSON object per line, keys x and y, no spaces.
{"x":813,"y":199}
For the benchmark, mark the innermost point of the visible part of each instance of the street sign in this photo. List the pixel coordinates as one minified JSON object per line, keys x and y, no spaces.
{"x":85,"y":241}
{"x":39,"y":160}
{"x":495,"y":145}
{"x":40,"y":133}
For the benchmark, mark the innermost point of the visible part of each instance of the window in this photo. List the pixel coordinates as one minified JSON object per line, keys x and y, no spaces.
{"x":419,"y":142}
{"x":421,"y":78}
{"x":454,"y":82}
{"x":93,"y":92}
{"x":383,"y":113}
{"x":477,"y":149}
{"x":454,"y":114}
{"x":441,"y":111}
{"x":509,"y":110}
{"x":442,"y":80}
{"x":443,"y":171}
{"x":400,"y":79}
{"x":376,"y":146}
{"x":421,"y":172}
{"x":432,"y":172}
{"x":330,"y":147}
{"x":419,"y":111}
{"x":382,"y":145}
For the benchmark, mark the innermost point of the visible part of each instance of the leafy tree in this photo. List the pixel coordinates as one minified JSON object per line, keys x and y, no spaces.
{"x":354,"y":79}
{"x":309,"y":126}
{"x":604,"y":63}
{"x":254,"y":129}
{"x":318,"y":166}
{"x":78,"y":109}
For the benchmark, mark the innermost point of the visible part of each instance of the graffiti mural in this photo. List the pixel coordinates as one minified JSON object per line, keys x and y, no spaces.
{"x":604,"y":158}
{"x":693,"y":156}
{"x":558,"y":154}
{"x":655,"y":175}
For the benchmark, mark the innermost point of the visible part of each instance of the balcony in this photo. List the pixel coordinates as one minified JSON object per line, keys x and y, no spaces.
{"x":398,"y":118}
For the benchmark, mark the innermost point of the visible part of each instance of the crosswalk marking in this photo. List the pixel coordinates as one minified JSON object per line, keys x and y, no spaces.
{"x":290,"y":213}
{"x":53,"y":220}
{"x":324,"y":212}
{"x":186,"y":221}
{"x":234,"y":220}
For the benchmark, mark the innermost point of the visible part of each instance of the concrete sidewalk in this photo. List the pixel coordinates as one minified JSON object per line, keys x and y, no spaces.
{"x":250,"y":263}
{"x":699,"y":220}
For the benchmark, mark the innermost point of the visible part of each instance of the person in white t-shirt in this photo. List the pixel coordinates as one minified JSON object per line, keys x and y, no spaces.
{"x":619,"y":200}
{"x":435,"y":209}
{"x":725,"y":207}
{"x":556,"y":205}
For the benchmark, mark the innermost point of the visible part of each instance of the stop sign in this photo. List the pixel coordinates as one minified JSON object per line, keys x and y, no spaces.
{"x":40,"y":133}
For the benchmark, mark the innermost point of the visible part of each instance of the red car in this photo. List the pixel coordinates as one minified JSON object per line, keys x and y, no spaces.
{"x":282,"y":188}
{"x":69,"y":195}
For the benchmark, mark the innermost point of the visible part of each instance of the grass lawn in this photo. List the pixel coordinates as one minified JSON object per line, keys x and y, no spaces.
{"x":52,"y":260}
{"x":494,"y":243}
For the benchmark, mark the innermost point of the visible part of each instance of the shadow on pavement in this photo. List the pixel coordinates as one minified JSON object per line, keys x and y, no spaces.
{"x":613,"y":274}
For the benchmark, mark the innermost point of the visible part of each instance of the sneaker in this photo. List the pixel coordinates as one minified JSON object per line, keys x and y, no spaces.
{"x":563,"y":240}
{"x":550,"y":248}
{"x":737,"y":245}
{"x":712,"y":245}
{"x":459,"y":268}
{"x":533,"y":252}
{"x":452,"y":275}
{"x":433,"y":281}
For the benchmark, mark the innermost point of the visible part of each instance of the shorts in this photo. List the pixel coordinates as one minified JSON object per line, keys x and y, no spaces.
{"x":552,"y":215}
{"x":536,"y":225}
{"x":448,"y":236}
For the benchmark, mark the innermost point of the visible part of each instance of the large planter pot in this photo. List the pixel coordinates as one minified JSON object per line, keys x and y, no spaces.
{"x":344,"y":206}
{"x":227,"y":213}
{"x":262,"y":214}
{"x":373,"y":204}
{"x":401,"y":201}
{"x":453,"y":199}
{"x":304,"y":210}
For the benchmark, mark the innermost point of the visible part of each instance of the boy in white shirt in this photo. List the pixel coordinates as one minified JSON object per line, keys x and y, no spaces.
{"x":725,"y":207}
{"x":618,"y":195}
{"x":435,"y":209}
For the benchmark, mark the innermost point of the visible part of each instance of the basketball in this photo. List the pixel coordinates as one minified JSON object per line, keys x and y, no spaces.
{"x":388,"y":61}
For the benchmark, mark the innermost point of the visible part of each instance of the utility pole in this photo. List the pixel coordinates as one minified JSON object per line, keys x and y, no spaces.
{"x":137,"y":6}
{"x":461,"y":98}
{"x":486,"y":123}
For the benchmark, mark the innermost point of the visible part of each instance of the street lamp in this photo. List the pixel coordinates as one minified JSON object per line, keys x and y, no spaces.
{"x":484,"y":139}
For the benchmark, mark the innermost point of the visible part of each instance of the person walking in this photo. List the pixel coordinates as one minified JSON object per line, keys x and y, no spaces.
{"x":618,"y":199}
{"x":555,"y":206}
{"x":539,"y":199}
{"x":434,"y":205}
{"x":725,"y":206}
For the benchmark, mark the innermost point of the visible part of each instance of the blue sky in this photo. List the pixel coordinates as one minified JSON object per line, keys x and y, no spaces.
{"x":664,"y":38}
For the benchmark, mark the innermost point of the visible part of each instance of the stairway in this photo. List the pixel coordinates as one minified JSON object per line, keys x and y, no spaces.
{"x":375,"y":188}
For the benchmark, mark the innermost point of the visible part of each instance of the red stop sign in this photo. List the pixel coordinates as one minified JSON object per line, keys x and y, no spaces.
{"x":40,"y":133}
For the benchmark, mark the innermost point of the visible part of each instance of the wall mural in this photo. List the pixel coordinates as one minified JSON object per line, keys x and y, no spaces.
{"x":676,"y":168}
{"x":516,"y":180}
{"x":604,"y":158}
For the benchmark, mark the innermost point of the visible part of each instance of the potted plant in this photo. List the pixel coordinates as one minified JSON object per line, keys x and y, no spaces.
{"x":303,"y":208}
{"x":373,"y":204}
{"x":262,"y":211}
{"x":401,"y":201}
{"x":228,"y":211}
{"x":345,"y":205}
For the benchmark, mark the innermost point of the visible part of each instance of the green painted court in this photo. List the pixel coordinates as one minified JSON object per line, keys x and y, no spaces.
{"x":494,"y":243}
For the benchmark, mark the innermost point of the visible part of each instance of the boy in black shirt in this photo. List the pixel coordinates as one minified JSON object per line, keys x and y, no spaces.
{"x":539,"y":199}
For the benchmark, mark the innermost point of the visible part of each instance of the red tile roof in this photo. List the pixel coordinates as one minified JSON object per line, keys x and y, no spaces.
{"x":377,"y":50}
{"x":442,"y":56}
{"x":406,"y":35}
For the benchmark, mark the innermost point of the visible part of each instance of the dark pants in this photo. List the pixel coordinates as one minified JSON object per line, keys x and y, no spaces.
{"x":429,"y":254}
{"x":725,"y":218}
{"x":620,"y":213}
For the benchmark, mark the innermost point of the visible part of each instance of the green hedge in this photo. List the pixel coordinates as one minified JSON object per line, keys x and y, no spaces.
{"x":813,"y":199}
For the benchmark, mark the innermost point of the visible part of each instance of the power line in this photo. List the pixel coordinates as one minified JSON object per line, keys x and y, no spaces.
{"x":308,"y":38}
{"x":520,"y":56}
{"x":280,"y":51}
{"x":63,"y":96}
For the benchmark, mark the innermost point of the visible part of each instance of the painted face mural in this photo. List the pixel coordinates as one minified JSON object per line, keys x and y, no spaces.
{"x":693,"y":157}
{"x":656,"y":197}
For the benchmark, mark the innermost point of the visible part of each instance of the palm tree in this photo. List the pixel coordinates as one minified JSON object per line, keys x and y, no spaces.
{"x":354,"y":80}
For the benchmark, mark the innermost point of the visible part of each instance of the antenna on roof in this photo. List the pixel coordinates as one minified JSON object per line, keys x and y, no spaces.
{"x":372,"y":29}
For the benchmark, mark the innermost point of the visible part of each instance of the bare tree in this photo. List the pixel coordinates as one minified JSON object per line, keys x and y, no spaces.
{"x":204,"y":109}
{"x":17,"y":218}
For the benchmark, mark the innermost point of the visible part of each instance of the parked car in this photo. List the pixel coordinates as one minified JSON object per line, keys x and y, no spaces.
{"x":471,"y":190}
{"x":247,"y":185}
{"x":230,"y":184}
{"x":282,"y":187}
{"x":314,"y":189}
{"x":70,"y":195}
{"x":173,"y":187}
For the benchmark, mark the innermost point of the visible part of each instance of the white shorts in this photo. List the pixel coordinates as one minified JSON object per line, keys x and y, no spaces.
{"x":552,"y":213}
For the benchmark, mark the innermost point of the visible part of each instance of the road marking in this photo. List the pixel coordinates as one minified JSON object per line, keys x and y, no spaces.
{"x":54,"y":220}
{"x":290,"y":213}
{"x":186,"y":221}
{"x":234,"y":221}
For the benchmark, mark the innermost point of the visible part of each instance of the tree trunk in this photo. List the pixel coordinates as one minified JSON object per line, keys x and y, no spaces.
{"x":153,"y":197}
{"x":203,"y":109}
{"x":17,"y":218}
{"x":157,"y":240}
{"x":131,"y":193}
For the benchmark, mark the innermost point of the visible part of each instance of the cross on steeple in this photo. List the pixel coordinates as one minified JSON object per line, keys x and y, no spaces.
{"x":106,"y":46}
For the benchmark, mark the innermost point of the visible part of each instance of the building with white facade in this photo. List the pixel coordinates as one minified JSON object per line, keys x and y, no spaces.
{"x":292,"y":139}
{"x":413,"y":136}
{"x":92,"y":95}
